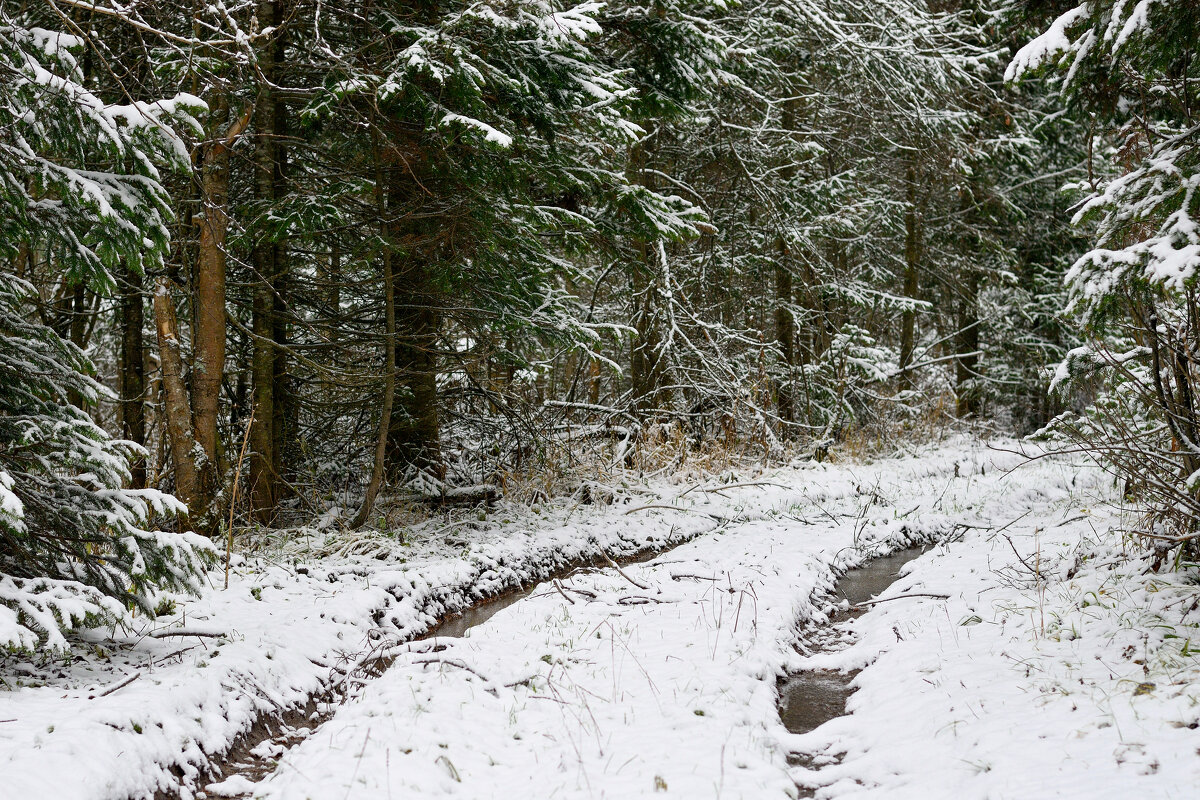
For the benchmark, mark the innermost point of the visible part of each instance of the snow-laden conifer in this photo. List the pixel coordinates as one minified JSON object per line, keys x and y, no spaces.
{"x":1130,"y":67}
{"x":79,"y":194}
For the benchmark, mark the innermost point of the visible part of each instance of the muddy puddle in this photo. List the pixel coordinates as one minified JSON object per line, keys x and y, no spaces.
{"x":809,"y":699}
{"x":255,"y":755}
{"x":457,"y":625}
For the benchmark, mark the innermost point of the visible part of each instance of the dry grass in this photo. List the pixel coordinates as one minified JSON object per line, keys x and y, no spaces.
{"x":598,"y":466}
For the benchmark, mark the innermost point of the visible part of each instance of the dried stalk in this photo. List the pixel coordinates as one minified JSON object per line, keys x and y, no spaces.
{"x":237,"y":476}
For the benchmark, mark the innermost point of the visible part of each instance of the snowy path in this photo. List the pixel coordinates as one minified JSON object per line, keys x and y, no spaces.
{"x":599,"y":688}
{"x":1055,"y":667}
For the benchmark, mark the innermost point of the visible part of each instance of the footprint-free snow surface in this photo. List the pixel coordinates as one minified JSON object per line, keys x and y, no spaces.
{"x":1021,"y":656}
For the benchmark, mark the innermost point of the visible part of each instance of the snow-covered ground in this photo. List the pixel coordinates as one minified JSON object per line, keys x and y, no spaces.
{"x":1054,"y":668}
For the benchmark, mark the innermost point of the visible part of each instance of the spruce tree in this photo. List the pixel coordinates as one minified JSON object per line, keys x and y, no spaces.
{"x":79,"y":196}
{"x":1130,"y":68}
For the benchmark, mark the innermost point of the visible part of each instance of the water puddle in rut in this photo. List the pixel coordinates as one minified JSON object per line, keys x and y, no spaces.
{"x":806,"y":699}
{"x":809,"y":699}
{"x":255,"y":755}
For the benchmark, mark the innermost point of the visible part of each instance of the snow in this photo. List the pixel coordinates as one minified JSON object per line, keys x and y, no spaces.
{"x":1070,"y":685}
{"x":1056,"y":665}
{"x":230,"y":787}
{"x":624,"y":691}
{"x":578,"y":22}
{"x":285,"y":627}
{"x":1048,"y":45}
{"x":489,"y":133}
{"x":11,"y":505}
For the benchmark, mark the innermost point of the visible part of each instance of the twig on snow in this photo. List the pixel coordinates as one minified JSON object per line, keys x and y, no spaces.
{"x":719,"y":489}
{"x":622,"y":572}
{"x":184,"y":632}
{"x":901,"y":597}
{"x":559,"y":587}
{"x":709,"y":514}
{"x":661,"y":506}
{"x":454,"y":662}
{"x":637,"y":600}
{"x":176,"y":654}
{"x":1015,"y":521}
{"x":115,"y":687}
{"x":1033,"y":571}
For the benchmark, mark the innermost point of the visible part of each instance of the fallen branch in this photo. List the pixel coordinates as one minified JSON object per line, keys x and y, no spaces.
{"x":559,"y":587}
{"x":719,"y":489}
{"x":622,"y":573}
{"x":454,"y":662}
{"x":526,"y":681}
{"x":176,"y":654}
{"x":637,"y":600}
{"x":710,"y":515}
{"x":658,"y":505}
{"x":114,"y":688}
{"x":183,"y":632}
{"x":901,"y":597}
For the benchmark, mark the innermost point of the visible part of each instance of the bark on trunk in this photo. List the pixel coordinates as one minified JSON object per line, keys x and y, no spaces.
{"x":966,"y":347}
{"x":176,"y":410}
{"x":286,"y":410}
{"x":268,"y":362}
{"x":912,"y":262}
{"x":785,"y":322}
{"x":785,"y":336}
{"x":389,"y":366}
{"x":594,"y":382}
{"x":413,"y":436}
{"x":209,"y":298}
{"x":645,"y":358}
{"x":75,"y":303}
{"x":262,"y":438}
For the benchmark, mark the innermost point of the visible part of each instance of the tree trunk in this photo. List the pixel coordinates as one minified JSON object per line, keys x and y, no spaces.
{"x":285,"y":409}
{"x":644,"y":368}
{"x":785,"y":337}
{"x":785,"y":322}
{"x":132,"y":371}
{"x":389,"y":362}
{"x":24,"y":260}
{"x":209,"y":299}
{"x":176,"y":410}
{"x":262,"y":438}
{"x":594,"y":381}
{"x":268,"y":361}
{"x":912,"y":262}
{"x":645,"y":358}
{"x":75,"y":303}
{"x":966,"y":347}
{"x":413,"y":436}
